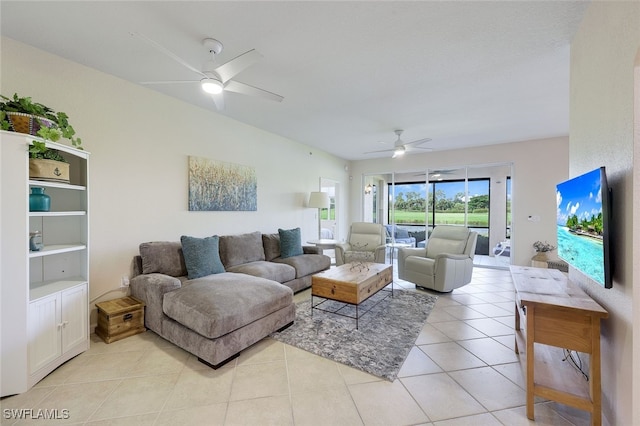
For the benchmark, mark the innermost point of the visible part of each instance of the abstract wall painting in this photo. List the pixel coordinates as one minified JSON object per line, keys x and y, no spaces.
{"x":219,"y":186}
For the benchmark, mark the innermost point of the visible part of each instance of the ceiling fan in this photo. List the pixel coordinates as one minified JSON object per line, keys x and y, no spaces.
{"x":400,"y":147}
{"x":215,"y":80}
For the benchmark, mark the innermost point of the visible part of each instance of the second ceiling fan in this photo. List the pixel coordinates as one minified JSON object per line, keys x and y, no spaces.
{"x":400,"y":147}
{"x":215,"y":80}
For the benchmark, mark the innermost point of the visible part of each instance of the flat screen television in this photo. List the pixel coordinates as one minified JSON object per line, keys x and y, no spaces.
{"x":583,"y":225}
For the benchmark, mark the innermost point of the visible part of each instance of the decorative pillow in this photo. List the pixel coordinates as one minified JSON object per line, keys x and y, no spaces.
{"x":271,"y":243}
{"x":163,"y":257}
{"x":402,"y":233}
{"x":201,"y":255}
{"x":290,"y":242}
{"x":419,"y":235}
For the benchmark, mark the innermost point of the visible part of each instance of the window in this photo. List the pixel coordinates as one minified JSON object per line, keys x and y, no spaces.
{"x":451,"y":204}
{"x":409,"y":206}
{"x":448,"y":203}
{"x":330,"y":213}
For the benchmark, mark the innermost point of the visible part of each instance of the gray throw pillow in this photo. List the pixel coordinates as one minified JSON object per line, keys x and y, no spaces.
{"x":271,"y":243}
{"x":402,"y":233}
{"x":201,"y":256}
{"x":290,"y":242}
{"x":163,"y":257}
{"x":419,"y":235}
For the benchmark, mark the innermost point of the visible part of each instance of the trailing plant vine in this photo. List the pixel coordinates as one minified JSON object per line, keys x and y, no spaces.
{"x":61,"y":127}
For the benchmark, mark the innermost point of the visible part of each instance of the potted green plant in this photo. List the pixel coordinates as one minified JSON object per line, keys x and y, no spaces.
{"x":21,"y":114}
{"x":47,"y":164}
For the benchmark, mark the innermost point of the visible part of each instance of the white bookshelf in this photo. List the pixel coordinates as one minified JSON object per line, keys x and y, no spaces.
{"x":44,"y":293}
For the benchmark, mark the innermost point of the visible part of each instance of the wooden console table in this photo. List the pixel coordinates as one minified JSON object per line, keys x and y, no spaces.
{"x":555,"y":313}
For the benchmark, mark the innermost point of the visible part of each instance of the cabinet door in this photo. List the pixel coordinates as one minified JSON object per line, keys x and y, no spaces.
{"x":44,"y":331}
{"x":75,"y":314}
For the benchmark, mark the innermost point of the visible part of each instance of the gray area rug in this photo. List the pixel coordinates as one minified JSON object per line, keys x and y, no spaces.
{"x":386,"y":332}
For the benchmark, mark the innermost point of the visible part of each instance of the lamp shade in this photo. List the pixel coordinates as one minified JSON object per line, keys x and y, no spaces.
{"x":319,"y":200}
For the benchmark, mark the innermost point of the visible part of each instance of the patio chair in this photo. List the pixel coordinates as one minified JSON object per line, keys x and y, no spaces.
{"x":446,"y":263}
{"x":366,"y":242}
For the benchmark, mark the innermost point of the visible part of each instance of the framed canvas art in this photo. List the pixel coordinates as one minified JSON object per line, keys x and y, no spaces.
{"x":219,"y":186}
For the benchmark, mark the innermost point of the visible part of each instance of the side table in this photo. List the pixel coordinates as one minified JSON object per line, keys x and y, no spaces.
{"x":324,"y":243}
{"x":393,"y":247}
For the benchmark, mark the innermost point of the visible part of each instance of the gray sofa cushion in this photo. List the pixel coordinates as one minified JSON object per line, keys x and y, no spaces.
{"x":271,"y":243}
{"x":215,"y":305}
{"x":279,"y":272}
{"x":242,"y":248}
{"x":306,"y":264}
{"x":163,"y":257}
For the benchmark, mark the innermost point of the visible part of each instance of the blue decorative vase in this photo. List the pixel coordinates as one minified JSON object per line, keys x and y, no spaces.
{"x":38,"y":200}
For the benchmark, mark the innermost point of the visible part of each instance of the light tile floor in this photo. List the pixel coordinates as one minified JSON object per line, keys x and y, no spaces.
{"x":461,"y":371}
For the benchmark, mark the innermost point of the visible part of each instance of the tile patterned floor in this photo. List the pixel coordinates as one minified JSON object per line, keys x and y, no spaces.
{"x":461,"y":371}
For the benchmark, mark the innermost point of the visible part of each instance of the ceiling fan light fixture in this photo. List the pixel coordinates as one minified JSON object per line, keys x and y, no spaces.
{"x":211,"y":85}
{"x":399,"y":151}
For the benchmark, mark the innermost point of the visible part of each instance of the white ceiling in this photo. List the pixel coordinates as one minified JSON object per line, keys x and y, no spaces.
{"x":461,"y":73}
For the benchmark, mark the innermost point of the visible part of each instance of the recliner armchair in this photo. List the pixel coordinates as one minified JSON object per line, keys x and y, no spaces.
{"x":446,"y":263}
{"x":366,"y":242}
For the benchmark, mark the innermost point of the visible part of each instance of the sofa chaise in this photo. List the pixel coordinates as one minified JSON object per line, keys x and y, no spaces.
{"x":215,"y":316}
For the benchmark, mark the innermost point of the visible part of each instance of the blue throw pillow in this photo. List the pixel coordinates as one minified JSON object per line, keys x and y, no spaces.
{"x":402,"y":233}
{"x":290,"y":242}
{"x":201,"y":256}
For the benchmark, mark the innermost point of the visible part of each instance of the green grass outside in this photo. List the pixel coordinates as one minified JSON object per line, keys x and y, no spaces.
{"x":473,"y":219}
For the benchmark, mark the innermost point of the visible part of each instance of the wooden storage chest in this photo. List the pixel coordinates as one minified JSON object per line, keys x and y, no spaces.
{"x":120,"y":318}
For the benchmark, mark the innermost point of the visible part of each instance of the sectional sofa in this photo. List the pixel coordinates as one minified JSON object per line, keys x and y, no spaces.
{"x":247,"y":295}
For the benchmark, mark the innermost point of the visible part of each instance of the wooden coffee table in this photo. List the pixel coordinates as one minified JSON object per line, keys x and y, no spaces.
{"x":350,"y":283}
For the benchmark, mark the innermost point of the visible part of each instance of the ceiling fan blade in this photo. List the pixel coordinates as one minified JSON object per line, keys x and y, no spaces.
{"x":418,"y":142}
{"x":382,"y":150}
{"x":170,"y":82}
{"x":245,"y":89}
{"x":229,"y":69}
{"x":415,"y":148}
{"x":167,"y":52}
{"x":218,"y":99}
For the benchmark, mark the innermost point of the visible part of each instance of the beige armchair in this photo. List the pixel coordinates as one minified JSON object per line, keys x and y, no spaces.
{"x":366,"y":242}
{"x":444,"y":264}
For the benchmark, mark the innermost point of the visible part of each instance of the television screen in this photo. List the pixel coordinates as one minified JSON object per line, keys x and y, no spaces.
{"x":583,"y":224}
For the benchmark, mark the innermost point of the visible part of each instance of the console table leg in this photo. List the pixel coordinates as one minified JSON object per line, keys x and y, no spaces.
{"x":517,"y":327}
{"x":531,"y":319}
{"x":595,"y":383}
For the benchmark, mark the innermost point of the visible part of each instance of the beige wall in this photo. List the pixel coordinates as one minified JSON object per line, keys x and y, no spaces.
{"x":139,"y":142}
{"x":601,"y":128}
{"x":537,"y":166}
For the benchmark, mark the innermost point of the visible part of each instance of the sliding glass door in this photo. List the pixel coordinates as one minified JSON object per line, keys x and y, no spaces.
{"x":412,"y":203}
